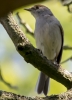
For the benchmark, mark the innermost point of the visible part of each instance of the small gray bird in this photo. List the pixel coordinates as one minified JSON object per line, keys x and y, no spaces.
{"x":49,"y":39}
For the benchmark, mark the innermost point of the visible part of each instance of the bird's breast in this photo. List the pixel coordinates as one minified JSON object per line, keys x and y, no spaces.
{"x":48,"y":39}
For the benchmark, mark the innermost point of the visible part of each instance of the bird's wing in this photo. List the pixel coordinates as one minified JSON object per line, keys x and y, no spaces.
{"x":62,"y":35}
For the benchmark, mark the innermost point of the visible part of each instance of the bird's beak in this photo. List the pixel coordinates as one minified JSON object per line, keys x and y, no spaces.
{"x":28,"y":9}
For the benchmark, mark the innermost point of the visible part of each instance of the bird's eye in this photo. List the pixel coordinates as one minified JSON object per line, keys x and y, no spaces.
{"x":37,"y":7}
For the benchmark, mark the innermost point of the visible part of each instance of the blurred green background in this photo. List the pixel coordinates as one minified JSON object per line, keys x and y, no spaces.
{"x":21,"y":74}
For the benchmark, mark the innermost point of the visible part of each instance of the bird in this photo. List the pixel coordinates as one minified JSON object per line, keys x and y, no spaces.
{"x":49,"y":36}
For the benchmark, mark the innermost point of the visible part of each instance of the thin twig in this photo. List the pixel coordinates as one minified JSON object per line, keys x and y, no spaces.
{"x":70,"y":58}
{"x":67,"y":3}
{"x":66,"y":47}
{"x":6,"y":83}
{"x":25,"y":25}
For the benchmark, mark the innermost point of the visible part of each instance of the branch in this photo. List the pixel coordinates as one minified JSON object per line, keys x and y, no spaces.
{"x":33,"y":55}
{"x":11,"y":96}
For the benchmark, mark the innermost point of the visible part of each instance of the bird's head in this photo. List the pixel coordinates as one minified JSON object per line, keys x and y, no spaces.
{"x":39,"y":10}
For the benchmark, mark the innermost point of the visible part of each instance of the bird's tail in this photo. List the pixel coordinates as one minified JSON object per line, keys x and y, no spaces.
{"x":43,"y":84}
